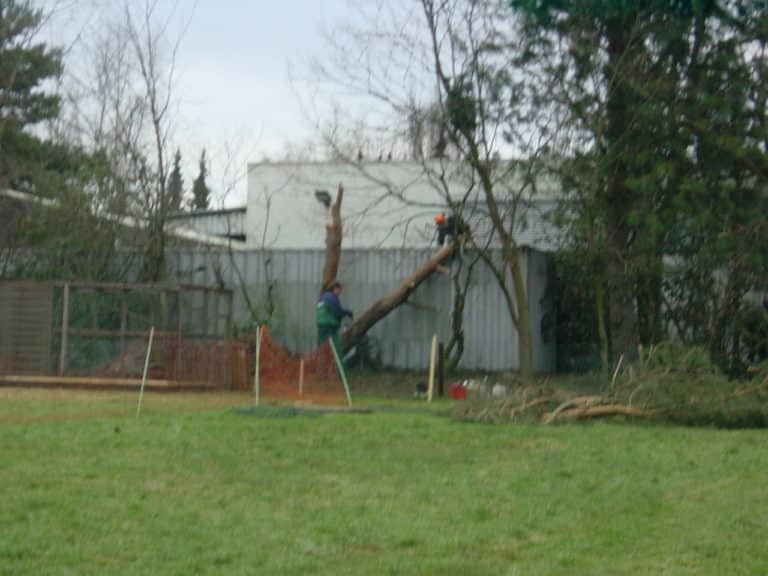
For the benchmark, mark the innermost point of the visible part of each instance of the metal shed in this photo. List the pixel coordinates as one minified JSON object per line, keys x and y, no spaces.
{"x":288,"y":282}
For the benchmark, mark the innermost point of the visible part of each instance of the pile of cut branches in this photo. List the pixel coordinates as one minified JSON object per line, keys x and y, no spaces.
{"x":681,"y":385}
{"x":524,"y":404}
{"x":668,"y":383}
{"x":545,"y":406}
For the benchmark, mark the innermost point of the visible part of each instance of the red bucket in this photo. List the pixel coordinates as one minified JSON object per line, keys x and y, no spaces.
{"x":458,"y":392}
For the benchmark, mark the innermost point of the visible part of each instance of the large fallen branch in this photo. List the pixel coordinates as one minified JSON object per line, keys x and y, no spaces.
{"x":581,"y":401}
{"x":384,"y":306}
{"x":601,"y":411}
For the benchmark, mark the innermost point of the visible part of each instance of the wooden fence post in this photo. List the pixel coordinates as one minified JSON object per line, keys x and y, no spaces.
{"x":123,"y":327}
{"x":64,"y":330}
{"x":440,"y":371}
{"x":432,"y":362}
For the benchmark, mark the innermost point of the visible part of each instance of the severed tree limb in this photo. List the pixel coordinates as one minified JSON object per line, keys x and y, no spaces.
{"x":584,"y":401}
{"x":384,"y":306}
{"x":333,"y":236}
{"x":604,"y":410}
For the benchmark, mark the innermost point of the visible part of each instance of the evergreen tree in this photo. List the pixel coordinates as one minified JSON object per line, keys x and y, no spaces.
{"x":24,"y":68}
{"x":201,"y":195}
{"x":665,"y":160}
{"x":175,"y":184}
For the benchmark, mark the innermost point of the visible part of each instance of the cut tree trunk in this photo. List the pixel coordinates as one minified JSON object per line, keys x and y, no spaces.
{"x":381,"y":308}
{"x":333,"y":236}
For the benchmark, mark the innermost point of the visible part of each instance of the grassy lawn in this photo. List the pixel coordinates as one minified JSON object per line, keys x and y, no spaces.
{"x":183,"y":490}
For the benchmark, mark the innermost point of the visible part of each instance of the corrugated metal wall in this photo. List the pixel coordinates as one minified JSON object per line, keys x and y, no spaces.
{"x":404,"y":335}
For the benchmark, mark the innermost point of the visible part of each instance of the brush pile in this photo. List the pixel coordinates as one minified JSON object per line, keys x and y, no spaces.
{"x":668,"y":383}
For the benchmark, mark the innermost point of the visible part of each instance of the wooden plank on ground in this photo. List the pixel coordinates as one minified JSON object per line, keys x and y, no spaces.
{"x":78,"y":381}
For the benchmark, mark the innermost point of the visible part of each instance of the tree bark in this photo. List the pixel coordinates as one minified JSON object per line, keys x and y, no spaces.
{"x":461,"y":281}
{"x":384,"y":306}
{"x":524,"y":334}
{"x":649,"y":296}
{"x":333,"y":237}
{"x":620,"y":199}
{"x":601,"y":327}
{"x":455,"y":348}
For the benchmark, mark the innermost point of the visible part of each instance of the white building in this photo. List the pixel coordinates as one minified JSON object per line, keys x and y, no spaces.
{"x":386,"y":204}
{"x":225,"y":224}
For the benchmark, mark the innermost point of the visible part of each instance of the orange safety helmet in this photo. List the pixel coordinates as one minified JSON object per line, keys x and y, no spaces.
{"x":440,"y":218}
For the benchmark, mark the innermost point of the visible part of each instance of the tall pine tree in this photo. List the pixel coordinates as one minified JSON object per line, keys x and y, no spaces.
{"x":25,"y":66}
{"x":175,"y":184}
{"x":201,"y":195}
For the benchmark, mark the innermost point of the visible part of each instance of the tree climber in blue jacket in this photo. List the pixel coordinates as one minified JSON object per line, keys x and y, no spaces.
{"x":330,"y":312}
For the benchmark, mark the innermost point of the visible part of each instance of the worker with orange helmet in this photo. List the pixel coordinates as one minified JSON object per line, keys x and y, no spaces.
{"x":446,"y":226}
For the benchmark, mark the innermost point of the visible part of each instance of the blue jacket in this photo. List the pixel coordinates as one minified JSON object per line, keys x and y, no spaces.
{"x":330,"y":311}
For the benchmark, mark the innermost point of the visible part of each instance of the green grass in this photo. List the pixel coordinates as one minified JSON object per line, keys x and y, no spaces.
{"x":394,"y":492}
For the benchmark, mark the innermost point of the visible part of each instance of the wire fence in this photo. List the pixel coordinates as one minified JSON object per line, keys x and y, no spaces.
{"x":96,"y":333}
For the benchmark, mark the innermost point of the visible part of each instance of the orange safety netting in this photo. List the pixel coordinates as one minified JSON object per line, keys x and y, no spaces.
{"x":285,"y":375}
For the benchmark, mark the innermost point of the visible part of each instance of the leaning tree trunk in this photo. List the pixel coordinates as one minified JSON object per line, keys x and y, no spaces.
{"x":381,"y":308}
{"x":333,"y":236}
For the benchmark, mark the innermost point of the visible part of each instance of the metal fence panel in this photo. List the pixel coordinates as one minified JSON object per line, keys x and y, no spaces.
{"x":287,"y":282}
{"x":26,"y":315}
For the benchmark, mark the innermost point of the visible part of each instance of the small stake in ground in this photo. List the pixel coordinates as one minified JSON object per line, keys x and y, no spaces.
{"x":616,"y":372}
{"x":432,"y":361}
{"x":256,"y":367}
{"x":146,"y":367}
{"x":301,"y":377}
{"x":440,"y":372}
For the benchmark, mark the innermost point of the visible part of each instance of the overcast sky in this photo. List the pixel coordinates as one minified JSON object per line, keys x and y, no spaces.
{"x":234,"y":70}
